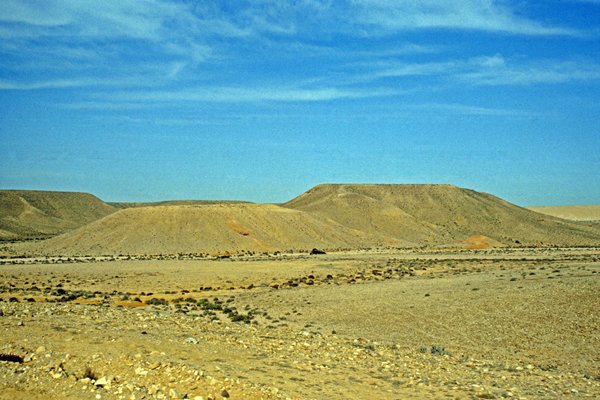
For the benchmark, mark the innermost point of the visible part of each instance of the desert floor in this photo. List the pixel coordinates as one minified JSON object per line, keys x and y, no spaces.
{"x":393,"y":324}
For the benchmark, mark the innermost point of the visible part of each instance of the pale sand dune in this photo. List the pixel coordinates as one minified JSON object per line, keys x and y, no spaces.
{"x":574,"y":213}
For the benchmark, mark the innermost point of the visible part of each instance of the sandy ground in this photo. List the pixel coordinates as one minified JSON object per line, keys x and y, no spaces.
{"x":510,"y":323}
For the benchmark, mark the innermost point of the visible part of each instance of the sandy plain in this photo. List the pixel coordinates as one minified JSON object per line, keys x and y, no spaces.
{"x":386,"y":324}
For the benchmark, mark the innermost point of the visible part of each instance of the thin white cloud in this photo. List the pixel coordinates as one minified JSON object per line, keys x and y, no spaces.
{"x":250,"y":94}
{"x":143,"y":19}
{"x":538,"y":72}
{"x":465,"y":109}
{"x":482,"y":15}
{"x":63,"y":83}
{"x":486,"y":71}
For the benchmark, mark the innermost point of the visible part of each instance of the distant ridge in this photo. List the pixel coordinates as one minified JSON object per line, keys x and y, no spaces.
{"x":33,"y":214}
{"x":174,"y":203}
{"x":574,"y":213}
{"x":437,"y":215}
{"x":330,"y":217}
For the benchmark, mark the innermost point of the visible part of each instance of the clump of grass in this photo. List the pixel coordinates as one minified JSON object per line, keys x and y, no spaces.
{"x":157,"y":302}
{"x":88,"y":373}
{"x":436,"y":350}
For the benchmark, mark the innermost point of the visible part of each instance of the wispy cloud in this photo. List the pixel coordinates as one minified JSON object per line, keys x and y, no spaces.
{"x":149,"y":44}
{"x":53,"y":84}
{"x":145,"y":19}
{"x":532,"y":72}
{"x":69,"y":83}
{"x":491,"y":70}
{"x":250,"y":94}
{"x":465,"y":109}
{"x":482,"y":15}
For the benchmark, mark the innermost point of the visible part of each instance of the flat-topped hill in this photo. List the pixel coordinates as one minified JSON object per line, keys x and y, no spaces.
{"x":437,"y":215}
{"x":31,"y":213}
{"x":212,"y":229}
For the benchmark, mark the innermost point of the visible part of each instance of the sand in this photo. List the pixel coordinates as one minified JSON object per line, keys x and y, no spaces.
{"x":519,"y":323}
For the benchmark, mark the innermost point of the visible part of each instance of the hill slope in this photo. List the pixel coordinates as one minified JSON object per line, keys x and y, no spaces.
{"x":28,"y":213}
{"x":574,"y":213}
{"x":438,"y":215}
{"x":221,"y":228}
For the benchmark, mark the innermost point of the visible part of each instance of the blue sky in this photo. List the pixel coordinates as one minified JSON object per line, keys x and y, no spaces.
{"x":142,"y":100}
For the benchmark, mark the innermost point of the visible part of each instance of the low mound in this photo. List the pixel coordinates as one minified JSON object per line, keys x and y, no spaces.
{"x":31,"y":214}
{"x":438,"y":215}
{"x":573,"y":213}
{"x":212,"y":229}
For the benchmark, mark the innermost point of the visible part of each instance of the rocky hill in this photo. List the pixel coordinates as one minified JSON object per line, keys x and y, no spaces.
{"x":438,"y":215}
{"x":210,"y":229}
{"x":33,"y":214}
{"x":327,"y":217}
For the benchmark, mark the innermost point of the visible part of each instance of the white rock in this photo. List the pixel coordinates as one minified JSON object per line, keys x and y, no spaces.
{"x":192,"y":340}
{"x":102,"y":382}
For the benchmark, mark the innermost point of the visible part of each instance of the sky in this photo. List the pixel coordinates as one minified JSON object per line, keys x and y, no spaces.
{"x":147,"y":100}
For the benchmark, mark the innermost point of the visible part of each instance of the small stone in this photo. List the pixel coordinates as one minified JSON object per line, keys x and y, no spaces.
{"x":224,"y":393}
{"x":102,"y":382}
{"x":154,"y":365}
{"x":20,"y":323}
{"x":192,"y":340}
{"x":173,"y":394}
{"x":198,"y":398}
{"x":40,"y":350}
{"x":141,"y":371}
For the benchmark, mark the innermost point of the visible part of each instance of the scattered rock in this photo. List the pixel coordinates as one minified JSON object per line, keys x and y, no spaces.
{"x":192,"y":340}
{"x":102,"y":382}
{"x":11,"y":358}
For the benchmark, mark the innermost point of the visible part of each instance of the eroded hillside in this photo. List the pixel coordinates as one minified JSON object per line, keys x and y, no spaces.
{"x":32,"y":214}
